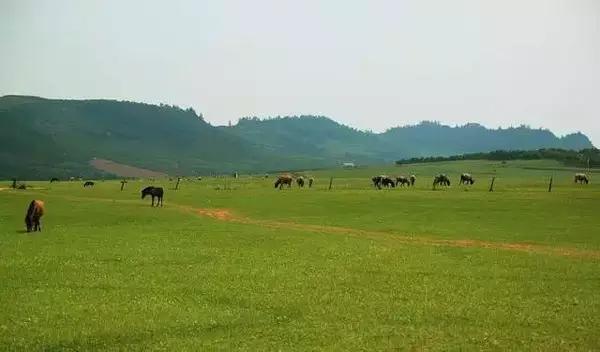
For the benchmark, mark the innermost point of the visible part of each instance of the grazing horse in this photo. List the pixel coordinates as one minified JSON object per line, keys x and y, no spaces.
{"x":88,"y":184}
{"x":412,"y":178}
{"x":402,"y":180}
{"x":154,"y":192}
{"x":377,"y":181}
{"x":466,"y":179}
{"x":300,"y":181}
{"x":34,"y":213}
{"x":581,"y":178}
{"x":387,"y":182}
{"x":441,"y":179}
{"x":54,"y":179}
{"x":284,"y":180}
{"x":310,"y":182}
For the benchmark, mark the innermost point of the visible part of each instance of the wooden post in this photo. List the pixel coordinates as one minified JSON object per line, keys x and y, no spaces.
{"x":550,"y":185}
{"x":588,"y":165}
{"x":492,"y":184}
{"x":330,"y":183}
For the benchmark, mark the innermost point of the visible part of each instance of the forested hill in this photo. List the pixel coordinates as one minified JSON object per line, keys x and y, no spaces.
{"x":43,"y":138}
{"x":323,"y":136}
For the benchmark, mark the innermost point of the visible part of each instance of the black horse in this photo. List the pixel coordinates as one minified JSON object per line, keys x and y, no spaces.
{"x":54,"y":179}
{"x":402,"y":180}
{"x":300,"y":181}
{"x":377,"y":181}
{"x":466,"y":179}
{"x":88,"y":184}
{"x":154,"y":192}
{"x":441,"y":179}
{"x":387,"y":182}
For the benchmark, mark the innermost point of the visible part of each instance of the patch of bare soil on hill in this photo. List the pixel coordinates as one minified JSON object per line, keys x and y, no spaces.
{"x":124,"y":170}
{"x":227,"y":215}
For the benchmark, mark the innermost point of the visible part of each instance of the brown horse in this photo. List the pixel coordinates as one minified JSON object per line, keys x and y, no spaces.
{"x":284,"y":180}
{"x":34,"y":213}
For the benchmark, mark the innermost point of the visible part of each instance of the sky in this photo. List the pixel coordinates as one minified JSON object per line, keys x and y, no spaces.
{"x":368,"y":64}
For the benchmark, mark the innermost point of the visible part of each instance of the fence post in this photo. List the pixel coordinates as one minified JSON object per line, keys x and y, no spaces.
{"x":330,"y":183}
{"x":550,"y":185}
{"x":492,"y":184}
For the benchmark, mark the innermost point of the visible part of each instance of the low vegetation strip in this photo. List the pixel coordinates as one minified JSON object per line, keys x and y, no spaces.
{"x":228,"y":215}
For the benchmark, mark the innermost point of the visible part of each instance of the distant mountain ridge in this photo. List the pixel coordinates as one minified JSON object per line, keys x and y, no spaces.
{"x":323,"y":135}
{"x":42,"y":138}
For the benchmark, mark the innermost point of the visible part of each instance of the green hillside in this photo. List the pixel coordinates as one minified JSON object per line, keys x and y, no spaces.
{"x":318,"y":134}
{"x":42,"y":138}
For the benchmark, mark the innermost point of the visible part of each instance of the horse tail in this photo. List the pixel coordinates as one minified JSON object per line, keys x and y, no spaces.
{"x":31,"y":209}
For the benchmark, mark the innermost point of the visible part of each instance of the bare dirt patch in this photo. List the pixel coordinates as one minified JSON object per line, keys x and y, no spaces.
{"x":219,"y":214}
{"x":124,"y":170}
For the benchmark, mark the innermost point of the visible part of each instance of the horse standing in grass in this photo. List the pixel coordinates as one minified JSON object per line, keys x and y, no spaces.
{"x":466,"y":179}
{"x":34,"y":213}
{"x":54,"y":179}
{"x":441,"y":179}
{"x":581,"y":178}
{"x":310,"y":182}
{"x":284,"y":180}
{"x":300,"y":181}
{"x":412,"y":178}
{"x":88,"y":184}
{"x":154,"y":192}
{"x":387,"y":182}
{"x":377,"y":181}
{"x":402,"y":181}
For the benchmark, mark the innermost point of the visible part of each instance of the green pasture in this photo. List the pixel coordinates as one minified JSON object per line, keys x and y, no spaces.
{"x":234,"y":264}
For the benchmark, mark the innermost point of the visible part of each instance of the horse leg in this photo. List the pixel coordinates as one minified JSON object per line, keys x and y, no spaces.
{"x":152,"y":201}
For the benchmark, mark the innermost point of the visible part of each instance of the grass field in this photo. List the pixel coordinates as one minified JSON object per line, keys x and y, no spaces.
{"x":352,"y":268}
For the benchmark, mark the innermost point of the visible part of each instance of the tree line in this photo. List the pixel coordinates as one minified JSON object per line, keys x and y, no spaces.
{"x":589,"y":157}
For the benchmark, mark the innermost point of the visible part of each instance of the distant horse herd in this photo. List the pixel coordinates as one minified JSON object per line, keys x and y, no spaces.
{"x":288,"y":179}
{"x":36,"y":208}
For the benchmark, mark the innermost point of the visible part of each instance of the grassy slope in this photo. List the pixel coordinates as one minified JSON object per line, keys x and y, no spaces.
{"x":117,"y":274}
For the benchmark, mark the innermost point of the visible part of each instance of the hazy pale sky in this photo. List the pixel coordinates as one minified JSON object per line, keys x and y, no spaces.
{"x":368,"y":64}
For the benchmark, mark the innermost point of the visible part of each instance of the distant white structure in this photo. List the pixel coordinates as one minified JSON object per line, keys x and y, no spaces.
{"x":348,"y":165}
